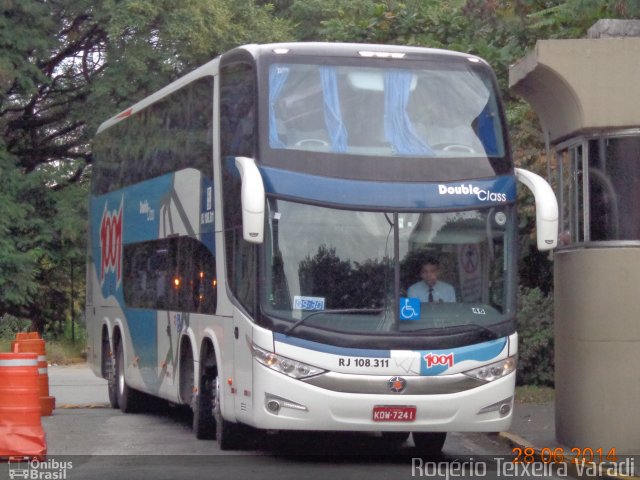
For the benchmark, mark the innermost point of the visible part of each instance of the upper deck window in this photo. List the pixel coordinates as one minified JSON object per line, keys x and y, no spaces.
{"x":450,"y":111}
{"x":171,"y":134}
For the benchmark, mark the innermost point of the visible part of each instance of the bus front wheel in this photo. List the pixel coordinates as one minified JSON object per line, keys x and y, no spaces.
{"x":229,"y":435}
{"x":109,"y":372}
{"x":429,"y":442}
{"x":395,"y":437}
{"x":127,"y":397}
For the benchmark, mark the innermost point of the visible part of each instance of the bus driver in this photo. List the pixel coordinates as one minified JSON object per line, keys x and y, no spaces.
{"x":430,"y":289}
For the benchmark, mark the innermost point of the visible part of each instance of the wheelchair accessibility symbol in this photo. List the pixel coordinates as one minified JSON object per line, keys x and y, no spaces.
{"x":409,"y":308}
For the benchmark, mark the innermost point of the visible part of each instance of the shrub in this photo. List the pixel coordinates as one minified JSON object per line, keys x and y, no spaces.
{"x":535,"y":344}
{"x":62,"y":331}
{"x":63,"y":352}
{"x":10,"y":325}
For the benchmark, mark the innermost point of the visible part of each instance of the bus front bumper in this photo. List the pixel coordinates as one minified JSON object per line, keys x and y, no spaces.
{"x":282,"y":403}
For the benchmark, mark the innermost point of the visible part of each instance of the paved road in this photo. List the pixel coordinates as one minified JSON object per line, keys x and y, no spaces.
{"x":167,"y":431}
{"x":74,"y":385}
{"x":102,"y":443}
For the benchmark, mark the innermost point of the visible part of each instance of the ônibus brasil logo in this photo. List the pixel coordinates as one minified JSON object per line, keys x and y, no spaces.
{"x":435,"y":359}
{"x":482,"y":195}
{"x":111,"y":243}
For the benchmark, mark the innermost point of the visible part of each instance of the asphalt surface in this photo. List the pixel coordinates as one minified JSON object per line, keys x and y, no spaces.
{"x":100,"y":442}
{"x":76,"y":385}
{"x":84,"y":424}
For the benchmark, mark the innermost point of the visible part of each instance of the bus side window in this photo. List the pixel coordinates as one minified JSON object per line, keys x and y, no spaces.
{"x":170,"y":135}
{"x":237,"y":138}
{"x":177,"y":274}
{"x":237,"y":108}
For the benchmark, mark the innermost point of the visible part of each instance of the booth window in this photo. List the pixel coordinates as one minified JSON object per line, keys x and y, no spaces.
{"x":597,"y":190}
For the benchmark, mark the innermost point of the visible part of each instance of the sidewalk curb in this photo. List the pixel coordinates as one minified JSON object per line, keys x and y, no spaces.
{"x":517,"y":441}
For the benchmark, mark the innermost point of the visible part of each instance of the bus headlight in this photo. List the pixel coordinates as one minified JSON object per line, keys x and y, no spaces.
{"x":494,"y":371}
{"x":291,"y":368}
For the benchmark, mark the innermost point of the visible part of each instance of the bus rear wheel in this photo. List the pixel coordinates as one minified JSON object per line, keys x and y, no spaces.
{"x":429,"y":442}
{"x":204,"y":423}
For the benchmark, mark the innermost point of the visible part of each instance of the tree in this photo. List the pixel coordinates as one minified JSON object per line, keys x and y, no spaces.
{"x":19,"y":237}
{"x":65,"y":66}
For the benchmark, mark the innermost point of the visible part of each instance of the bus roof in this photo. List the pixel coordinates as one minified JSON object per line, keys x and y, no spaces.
{"x":346,"y":49}
{"x":209,"y":68}
{"x":296,"y":48}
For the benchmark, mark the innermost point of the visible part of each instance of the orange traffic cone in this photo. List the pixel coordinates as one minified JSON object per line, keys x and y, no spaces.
{"x":32,"y":343}
{"x":21,"y":432}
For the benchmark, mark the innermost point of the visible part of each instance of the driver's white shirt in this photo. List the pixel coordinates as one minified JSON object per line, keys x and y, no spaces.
{"x":442,"y":292}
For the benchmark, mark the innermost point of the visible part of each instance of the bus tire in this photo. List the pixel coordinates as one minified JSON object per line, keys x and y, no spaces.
{"x":395,"y":437}
{"x":127,"y":396}
{"x":429,"y":442}
{"x":229,"y":435}
{"x":112,"y":378}
{"x":186,"y":376}
{"x":108,"y":367}
{"x":204,"y":423}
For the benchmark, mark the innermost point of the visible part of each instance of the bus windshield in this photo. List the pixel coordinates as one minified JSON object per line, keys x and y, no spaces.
{"x":428,"y":110}
{"x":335,"y":269}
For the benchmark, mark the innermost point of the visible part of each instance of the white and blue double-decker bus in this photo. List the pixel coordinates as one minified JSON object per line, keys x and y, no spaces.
{"x":312,"y":237}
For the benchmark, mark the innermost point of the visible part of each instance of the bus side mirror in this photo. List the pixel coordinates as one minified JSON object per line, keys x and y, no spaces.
{"x":546,"y":208}
{"x":253,"y":198}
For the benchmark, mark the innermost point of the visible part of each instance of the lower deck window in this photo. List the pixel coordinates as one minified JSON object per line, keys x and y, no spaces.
{"x":170,"y":274}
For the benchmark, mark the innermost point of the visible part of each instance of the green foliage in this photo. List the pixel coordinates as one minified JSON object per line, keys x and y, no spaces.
{"x":64,"y":351}
{"x":534,"y":394}
{"x":66,"y":66}
{"x":572,"y":18}
{"x":151,"y":42}
{"x":535,"y":345}
{"x":10,"y":325}
{"x":20,"y":235}
{"x":26,"y":29}
{"x":63,"y":330}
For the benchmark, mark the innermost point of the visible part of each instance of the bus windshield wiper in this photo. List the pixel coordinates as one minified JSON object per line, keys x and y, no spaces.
{"x":348,"y":311}
{"x":490,"y":333}
{"x":447,"y":330}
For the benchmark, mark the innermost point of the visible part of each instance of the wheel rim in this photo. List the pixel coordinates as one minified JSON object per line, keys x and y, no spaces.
{"x":215,"y":401}
{"x":120,"y":373}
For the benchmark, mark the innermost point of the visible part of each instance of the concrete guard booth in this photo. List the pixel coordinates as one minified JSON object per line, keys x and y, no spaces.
{"x":586,"y":93}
